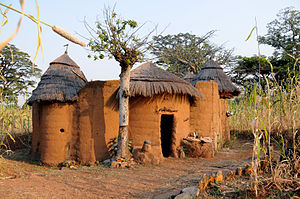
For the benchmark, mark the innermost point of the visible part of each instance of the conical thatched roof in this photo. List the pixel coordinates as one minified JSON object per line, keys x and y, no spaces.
{"x":60,"y":83}
{"x":212,"y":71}
{"x":189,"y":77}
{"x":148,"y":80}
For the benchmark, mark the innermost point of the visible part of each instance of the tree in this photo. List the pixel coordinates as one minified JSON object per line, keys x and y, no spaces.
{"x":283,"y":35}
{"x":246,"y":70}
{"x":16,"y":68}
{"x":117,"y":38}
{"x":284,"y":32}
{"x":187,"y":52}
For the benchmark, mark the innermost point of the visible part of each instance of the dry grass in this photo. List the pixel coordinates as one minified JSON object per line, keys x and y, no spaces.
{"x":271,"y":115}
{"x":14,"y":122}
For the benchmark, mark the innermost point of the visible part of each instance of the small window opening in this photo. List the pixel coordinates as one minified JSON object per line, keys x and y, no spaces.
{"x":62,"y":130}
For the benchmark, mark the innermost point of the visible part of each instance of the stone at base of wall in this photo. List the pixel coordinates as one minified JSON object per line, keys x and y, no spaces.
{"x":198,"y":149}
{"x":145,"y":157}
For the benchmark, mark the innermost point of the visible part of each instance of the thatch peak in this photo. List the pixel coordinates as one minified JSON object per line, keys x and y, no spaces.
{"x":65,"y":60}
{"x":148,"y":80}
{"x":189,"y":76}
{"x":211,"y":64}
{"x":60,"y":83}
{"x":212,"y":71}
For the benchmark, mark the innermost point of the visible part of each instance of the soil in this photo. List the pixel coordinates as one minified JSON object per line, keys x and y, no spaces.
{"x":21,"y":178}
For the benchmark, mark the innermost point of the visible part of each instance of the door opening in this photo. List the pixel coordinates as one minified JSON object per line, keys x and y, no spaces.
{"x":166,"y":131}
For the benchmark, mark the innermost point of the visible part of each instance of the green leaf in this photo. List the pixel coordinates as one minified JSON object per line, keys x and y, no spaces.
{"x":251,"y":33}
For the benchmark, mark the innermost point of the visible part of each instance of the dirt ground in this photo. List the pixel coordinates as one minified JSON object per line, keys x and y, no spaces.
{"x":21,"y":179}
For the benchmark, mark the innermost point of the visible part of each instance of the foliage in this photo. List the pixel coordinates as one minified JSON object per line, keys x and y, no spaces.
{"x":13,"y":120}
{"x":15,"y":67}
{"x":246,"y":71}
{"x":269,"y":113}
{"x":284,"y":101}
{"x":284,"y":36}
{"x":284,"y":32}
{"x":187,"y":52}
{"x":113,"y":147}
{"x":117,"y":38}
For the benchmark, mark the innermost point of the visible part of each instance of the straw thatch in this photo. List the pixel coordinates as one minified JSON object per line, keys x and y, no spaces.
{"x":212,"y":71}
{"x":148,"y":80}
{"x":189,"y":77}
{"x":60,"y":83}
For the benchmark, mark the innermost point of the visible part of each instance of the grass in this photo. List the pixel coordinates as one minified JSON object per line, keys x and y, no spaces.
{"x":271,"y":115}
{"x":277,"y":108}
{"x":14,"y":121}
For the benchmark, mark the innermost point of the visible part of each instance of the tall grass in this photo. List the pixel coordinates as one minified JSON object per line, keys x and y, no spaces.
{"x":270,"y":113}
{"x":14,"y":120}
{"x":277,"y":108}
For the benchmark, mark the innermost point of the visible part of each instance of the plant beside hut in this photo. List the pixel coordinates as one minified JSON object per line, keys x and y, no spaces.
{"x":15,"y":123}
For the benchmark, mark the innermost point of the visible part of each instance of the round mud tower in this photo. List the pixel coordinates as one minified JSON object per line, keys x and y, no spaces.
{"x":56,"y":120}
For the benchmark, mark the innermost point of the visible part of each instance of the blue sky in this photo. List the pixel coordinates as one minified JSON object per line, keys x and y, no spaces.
{"x":232,"y":18}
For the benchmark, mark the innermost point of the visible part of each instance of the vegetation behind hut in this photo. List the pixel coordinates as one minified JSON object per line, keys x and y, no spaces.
{"x":17,"y":73}
{"x":186,"y":52}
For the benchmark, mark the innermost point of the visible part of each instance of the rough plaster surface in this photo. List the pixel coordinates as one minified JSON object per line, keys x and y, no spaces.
{"x":205,"y":113}
{"x":92,"y":121}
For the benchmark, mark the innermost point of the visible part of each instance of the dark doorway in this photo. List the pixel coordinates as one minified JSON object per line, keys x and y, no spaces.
{"x":166,"y":130}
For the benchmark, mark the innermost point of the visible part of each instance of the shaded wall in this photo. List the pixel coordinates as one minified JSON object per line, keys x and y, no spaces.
{"x":224,"y":120}
{"x":98,"y":119}
{"x":35,"y":142}
{"x":145,"y":117}
{"x":53,"y":132}
{"x":205,"y":113}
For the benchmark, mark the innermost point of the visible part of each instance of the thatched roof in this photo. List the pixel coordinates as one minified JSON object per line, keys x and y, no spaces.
{"x":189,"y":77}
{"x":212,"y":71}
{"x":60,"y":83}
{"x":148,"y":80}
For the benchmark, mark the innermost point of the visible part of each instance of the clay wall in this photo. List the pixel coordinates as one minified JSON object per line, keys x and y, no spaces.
{"x":224,"y":120}
{"x":52,"y":134}
{"x":145,"y":117}
{"x":98,"y":119}
{"x":35,"y":148}
{"x":205,"y":113}
{"x":82,"y":130}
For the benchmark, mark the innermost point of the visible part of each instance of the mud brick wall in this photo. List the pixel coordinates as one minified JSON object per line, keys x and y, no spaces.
{"x":98,"y":119}
{"x":53,"y":132}
{"x":224,"y":120}
{"x":205,"y":113}
{"x":145,"y":119}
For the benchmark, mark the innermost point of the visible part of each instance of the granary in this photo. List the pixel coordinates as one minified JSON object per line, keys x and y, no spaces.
{"x":53,"y":103}
{"x":216,"y":87}
{"x":75,"y":120}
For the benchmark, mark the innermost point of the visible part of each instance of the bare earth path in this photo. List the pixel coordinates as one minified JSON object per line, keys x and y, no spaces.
{"x":33,"y":181}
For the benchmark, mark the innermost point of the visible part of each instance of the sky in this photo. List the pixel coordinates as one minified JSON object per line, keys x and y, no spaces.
{"x":233,"y":20}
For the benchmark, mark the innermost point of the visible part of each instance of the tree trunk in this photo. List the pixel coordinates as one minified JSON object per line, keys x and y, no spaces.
{"x":123,"y":112}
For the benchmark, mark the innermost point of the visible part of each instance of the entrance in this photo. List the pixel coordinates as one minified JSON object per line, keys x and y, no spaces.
{"x":166,"y":130}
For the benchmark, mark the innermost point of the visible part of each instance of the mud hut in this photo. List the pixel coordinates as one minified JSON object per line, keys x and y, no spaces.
{"x":53,"y":109}
{"x":222,"y":89}
{"x":159,"y":108}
